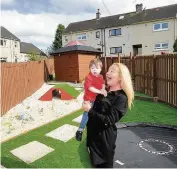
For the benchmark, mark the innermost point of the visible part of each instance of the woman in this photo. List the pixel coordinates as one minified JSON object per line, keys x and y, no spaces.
{"x":106,"y":111}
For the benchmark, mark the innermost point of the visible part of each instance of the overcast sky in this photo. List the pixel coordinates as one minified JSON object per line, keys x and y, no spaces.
{"x":35,"y":21}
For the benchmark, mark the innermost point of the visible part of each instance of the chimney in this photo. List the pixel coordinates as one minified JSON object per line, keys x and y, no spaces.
{"x":98,"y":14}
{"x":139,"y":8}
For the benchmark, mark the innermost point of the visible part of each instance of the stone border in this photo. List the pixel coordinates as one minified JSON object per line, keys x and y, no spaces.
{"x":27,"y":131}
{"x":125,"y":125}
{"x":152,"y":99}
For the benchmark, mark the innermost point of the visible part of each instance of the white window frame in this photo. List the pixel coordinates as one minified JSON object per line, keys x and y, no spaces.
{"x":3,"y":59}
{"x":80,"y":37}
{"x":115,"y":31}
{"x":160,"y":29}
{"x":115,"y":50}
{"x":161,"y":48}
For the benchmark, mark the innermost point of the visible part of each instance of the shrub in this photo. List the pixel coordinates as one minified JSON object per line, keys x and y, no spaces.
{"x":175,"y":46}
{"x":34,"y":57}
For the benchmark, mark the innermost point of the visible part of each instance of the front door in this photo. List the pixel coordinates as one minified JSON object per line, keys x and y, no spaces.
{"x":137,"y":49}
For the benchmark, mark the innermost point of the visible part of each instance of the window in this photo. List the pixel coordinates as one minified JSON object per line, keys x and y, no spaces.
{"x":3,"y":42}
{"x":98,"y":34}
{"x":99,"y":49}
{"x":161,"y":46}
{"x":3,"y":59}
{"x":84,"y":37}
{"x":15,"y":43}
{"x":121,"y":17}
{"x":81,"y":37}
{"x":115,"y":32}
{"x":164,"y":25}
{"x":66,"y":39}
{"x":160,"y":26}
{"x":115,"y":50}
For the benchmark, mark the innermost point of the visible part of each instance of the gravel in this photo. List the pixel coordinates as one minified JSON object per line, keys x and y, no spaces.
{"x":32,"y":113}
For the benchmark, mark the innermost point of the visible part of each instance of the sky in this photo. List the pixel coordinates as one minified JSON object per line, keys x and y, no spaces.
{"x":35,"y":21}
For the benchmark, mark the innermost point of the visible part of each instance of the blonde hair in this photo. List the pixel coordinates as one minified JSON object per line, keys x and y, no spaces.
{"x":126,"y":82}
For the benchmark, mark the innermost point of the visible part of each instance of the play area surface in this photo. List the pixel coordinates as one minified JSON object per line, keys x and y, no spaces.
{"x":146,"y":147}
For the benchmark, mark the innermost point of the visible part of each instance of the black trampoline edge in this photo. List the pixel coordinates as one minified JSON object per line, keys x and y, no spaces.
{"x":125,"y":125}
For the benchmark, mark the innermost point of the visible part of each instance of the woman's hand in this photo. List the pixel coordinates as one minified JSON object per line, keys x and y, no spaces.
{"x":86,"y":106}
{"x":104,"y":92}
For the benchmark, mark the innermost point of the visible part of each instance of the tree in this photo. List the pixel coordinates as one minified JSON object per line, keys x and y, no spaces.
{"x":175,"y":46}
{"x":49,"y":50}
{"x":57,"y":43}
{"x":34,"y":57}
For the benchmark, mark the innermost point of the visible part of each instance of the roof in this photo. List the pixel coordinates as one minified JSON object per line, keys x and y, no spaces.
{"x":29,"y":48}
{"x":81,"y":48}
{"x":147,"y":15}
{"x":76,"y":42}
{"x":8,"y":35}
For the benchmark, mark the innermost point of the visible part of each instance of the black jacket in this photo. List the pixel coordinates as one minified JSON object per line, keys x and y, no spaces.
{"x":101,"y":128}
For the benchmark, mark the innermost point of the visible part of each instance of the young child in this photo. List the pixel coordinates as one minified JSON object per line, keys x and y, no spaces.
{"x":94,"y":84}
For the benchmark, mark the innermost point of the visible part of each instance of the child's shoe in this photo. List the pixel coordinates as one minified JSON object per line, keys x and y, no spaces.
{"x":79,"y":135}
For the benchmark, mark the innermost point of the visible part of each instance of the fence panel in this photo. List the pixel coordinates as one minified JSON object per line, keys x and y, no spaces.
{"x":20,"y":80}
{"x":166,"y":74}
{"x":152,"y":75}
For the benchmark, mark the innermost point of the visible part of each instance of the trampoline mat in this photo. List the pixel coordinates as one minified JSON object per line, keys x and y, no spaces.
{"x":146,"y":147}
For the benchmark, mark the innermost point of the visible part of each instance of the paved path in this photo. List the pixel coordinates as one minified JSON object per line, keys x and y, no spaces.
{"x":2,"y":167}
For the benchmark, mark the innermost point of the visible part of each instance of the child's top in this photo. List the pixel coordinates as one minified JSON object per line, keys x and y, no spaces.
{"x":92,"y":81}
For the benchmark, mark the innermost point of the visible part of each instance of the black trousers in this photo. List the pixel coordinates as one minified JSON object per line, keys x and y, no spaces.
{"x":104,"y":165}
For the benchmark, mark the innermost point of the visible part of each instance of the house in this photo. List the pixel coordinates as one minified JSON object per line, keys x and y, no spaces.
{"x":10,"y":46}
{"x":28,"y":48}
{"x":142,"y":32}
{"x":13,"y":50}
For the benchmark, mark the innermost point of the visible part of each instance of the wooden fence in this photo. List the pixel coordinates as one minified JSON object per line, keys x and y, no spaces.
{"x":152,"y":75}
{"x":20,"y":80}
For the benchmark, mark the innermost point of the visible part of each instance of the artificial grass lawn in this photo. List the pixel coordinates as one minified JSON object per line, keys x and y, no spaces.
{"x":71,"y":90}
{"x":70,"y":154}
{"x":74,"y":154}
{"x":141,"y":94}
{"x":151,"y":112}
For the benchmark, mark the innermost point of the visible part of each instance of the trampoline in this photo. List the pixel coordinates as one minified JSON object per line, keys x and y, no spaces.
{"x":146,"y":146}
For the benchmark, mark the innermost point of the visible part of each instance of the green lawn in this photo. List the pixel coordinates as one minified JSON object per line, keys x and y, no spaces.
{"x":141,"y":94}
{"x":70,"y":154}
{"x":151,"y":112}
{"x":71,"y":90}
{"x":74,"y":154}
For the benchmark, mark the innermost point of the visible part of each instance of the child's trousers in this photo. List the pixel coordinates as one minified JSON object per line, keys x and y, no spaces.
{"x":84,"y":119}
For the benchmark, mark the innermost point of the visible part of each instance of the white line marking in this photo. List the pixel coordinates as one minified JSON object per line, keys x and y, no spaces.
{"x":119,"y":162}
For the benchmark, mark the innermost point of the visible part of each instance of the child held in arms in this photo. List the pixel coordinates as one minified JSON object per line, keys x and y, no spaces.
{"x":94,"y":84}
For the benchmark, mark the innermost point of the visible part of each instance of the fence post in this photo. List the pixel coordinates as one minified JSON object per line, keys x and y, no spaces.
{"x":154,"y":77}
{"x":105,"y":66}
{"x":118,"y":58}
{"x":133,"y":69}
{"x":131,"y":64}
